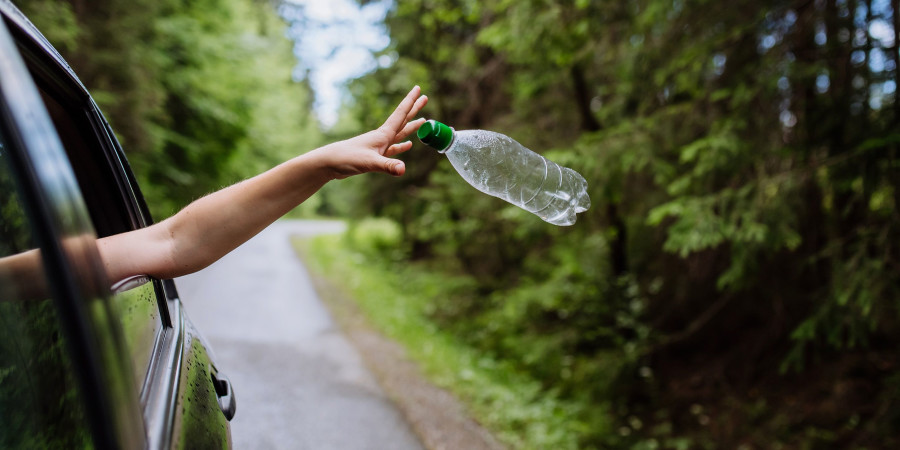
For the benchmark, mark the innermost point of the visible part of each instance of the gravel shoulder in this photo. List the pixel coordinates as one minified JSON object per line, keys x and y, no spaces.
{"x":435,"y":415}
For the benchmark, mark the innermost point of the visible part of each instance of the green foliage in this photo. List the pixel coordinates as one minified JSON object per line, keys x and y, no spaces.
{"x":742,"y":162}
{"x":58,"y":22}
{"x":377,"y":238}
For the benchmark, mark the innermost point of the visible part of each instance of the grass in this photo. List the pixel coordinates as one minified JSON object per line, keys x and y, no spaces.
{"x":396,"y":299}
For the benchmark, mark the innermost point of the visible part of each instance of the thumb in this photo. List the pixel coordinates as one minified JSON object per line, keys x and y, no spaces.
{"x":395,"y":167}
{"x":391,"y":166}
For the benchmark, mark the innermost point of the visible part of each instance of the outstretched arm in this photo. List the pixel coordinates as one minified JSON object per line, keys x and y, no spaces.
{"x":212,"y":226}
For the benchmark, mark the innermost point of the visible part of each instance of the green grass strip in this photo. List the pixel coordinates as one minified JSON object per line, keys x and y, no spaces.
{"x":396,"y":298}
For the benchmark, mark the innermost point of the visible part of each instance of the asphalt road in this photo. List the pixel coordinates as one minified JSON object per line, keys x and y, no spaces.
{"x":299,"y":383}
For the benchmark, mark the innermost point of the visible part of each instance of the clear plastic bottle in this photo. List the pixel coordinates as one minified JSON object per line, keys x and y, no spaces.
{"x":498,"y":165}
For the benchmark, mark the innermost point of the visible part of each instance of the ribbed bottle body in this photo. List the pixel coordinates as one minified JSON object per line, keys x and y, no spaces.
{"x":499,"y":166}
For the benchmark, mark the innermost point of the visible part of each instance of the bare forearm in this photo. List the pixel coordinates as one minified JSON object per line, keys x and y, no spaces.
{"x":23,"y":272}
{"x":216,"y":224}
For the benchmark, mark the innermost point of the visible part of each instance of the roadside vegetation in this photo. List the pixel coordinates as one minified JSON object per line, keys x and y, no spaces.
{"x":398,"y":300}
{"x":736,"y":282}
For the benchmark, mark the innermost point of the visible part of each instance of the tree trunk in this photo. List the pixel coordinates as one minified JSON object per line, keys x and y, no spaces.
{"x":583,"y":100}
{"x":618,"y":249}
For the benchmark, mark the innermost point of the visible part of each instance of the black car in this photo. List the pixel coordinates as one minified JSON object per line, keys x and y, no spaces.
{"x":84,"y":361}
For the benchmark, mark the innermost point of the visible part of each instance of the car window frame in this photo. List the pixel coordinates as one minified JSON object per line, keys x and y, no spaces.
{"x":159,"y":392}
{"x":159,"y":402}
{"x":70,"y":257}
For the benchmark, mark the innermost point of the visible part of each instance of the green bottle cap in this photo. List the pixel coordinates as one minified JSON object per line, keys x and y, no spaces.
{"x":435,"y":135}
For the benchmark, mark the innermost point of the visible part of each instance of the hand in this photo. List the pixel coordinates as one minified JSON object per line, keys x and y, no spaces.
{"x":372,"y":151}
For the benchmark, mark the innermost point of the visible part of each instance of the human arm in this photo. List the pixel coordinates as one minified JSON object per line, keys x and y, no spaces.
{"x":212,"y":226}
{"x":24,"y":276}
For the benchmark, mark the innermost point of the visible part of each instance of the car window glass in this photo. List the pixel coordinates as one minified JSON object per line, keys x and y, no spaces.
{"x":39,"y":397}
{"x":135,"y":302}
{"x":91,"y":167}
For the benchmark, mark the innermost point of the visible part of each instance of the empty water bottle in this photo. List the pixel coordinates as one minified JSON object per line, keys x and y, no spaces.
{"x":498,"y":165}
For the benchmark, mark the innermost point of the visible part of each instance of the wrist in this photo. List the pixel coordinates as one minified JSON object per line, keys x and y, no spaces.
{"x":320,"y":164}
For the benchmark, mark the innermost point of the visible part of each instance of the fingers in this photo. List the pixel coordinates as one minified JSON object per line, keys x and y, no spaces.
{"x":409,"y":129}
{"x":397,"y":168}
{"x":390,"y":166}
{"x":398,"y":126}
{"x":417,"y":106}
{"x":398,"y":148}
{"x":395,"y":122}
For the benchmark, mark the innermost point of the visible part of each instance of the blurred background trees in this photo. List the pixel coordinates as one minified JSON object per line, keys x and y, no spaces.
{"x":736,"y":279}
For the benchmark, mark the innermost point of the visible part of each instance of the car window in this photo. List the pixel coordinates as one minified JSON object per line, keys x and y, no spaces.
{"x":39,"y":397}
{"x":137,"y":302}
{"x":93,"y":170}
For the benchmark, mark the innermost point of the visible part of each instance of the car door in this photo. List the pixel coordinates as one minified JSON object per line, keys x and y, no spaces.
{"x":146,"y":378}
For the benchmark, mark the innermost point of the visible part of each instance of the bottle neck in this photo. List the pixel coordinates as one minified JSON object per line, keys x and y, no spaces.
{"x":436,"y":135}
{"x":450,"y":145}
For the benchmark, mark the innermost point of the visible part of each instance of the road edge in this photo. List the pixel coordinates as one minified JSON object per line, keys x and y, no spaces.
{"x":435,"y":415}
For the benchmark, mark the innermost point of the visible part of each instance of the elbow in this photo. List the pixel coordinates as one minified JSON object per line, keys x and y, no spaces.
{"x":163,"y":250}
{"x":184,"y":252}
{"x":179,"y":261}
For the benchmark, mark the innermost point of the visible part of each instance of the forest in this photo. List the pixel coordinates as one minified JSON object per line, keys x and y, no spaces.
{"x":735,"y":282}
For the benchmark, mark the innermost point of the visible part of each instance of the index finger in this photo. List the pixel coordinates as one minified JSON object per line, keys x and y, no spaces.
{"x":397,"y":119}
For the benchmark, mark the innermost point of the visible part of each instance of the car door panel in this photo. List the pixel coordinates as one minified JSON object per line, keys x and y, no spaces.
{"x":200,"y":422}
{"x":137,"y":307}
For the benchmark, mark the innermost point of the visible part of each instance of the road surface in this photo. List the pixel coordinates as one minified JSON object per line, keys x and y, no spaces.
{"x":299,"y":383}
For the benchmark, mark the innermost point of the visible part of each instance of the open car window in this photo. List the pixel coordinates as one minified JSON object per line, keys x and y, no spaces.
{"x":138,"y":303}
